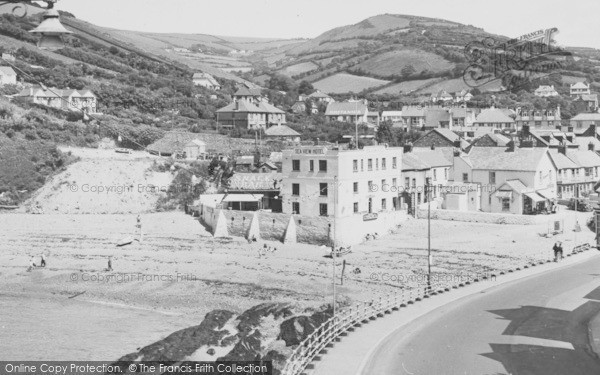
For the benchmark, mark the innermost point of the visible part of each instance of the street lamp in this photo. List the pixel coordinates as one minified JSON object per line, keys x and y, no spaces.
{"x":50,"y":29}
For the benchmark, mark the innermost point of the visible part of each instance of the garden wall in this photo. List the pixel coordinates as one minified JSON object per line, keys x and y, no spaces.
{"x":487,"y":217}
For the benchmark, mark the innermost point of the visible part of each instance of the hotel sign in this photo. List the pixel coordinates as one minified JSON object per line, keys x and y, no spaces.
{"x":320,"y":150}
{"x":370,"y":216}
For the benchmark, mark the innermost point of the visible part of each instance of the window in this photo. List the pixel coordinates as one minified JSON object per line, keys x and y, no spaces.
{"x":377,"y":164}
{"x":370,"y":186}
{"x":445,"y":173}
{"x":296,"y":207}
{"x":355,"y":207}
{"x":394,"y":182}
{"x":370,"y":164}
{"x":362,"y":165}
{"x":322,"y":165}
{"x":434,"y":174}
{"x":383,"y":183}
{"x":370,"y":205}
{"x":394,"y":162}
{"x":383,"y":204}
{"x":505,"y":204}
{"x":355,"y":165}
{"x":355,"y":186}
{"x":312,"y":165}
{"x":295,"y":189}
{"x":406,"y":182}
{"x":383,"y":166}
{"x":323,"y":209}
{"x":323,"y":189}
{"x":296,"y":165}
{"x":493,"y":177}
{"x":414,"y":183}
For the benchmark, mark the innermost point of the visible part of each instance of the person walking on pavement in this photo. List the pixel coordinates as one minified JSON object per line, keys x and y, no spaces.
{"x":558,"y":251}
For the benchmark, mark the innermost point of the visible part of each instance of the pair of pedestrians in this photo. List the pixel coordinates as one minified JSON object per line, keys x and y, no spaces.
{"x":558,"y":251}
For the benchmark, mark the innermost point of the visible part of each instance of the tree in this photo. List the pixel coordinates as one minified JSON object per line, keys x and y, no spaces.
{"x":305,"y":88}
{"x":408,"y":71}
{"x":384,"y":134}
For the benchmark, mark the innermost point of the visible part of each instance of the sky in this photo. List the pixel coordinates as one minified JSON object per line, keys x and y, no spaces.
{"x":576,"y":20}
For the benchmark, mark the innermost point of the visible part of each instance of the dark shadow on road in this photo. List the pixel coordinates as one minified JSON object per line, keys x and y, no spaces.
{"x":551,"y":324}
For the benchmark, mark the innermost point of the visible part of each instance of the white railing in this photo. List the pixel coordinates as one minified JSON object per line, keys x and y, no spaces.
{"x":346,"y":319}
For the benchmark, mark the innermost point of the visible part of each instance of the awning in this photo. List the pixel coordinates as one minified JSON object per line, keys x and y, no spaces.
{"x":535,"y":197}
{"x":547,"y":193}
{"x":504,"y":194}
{"x":243,"y":198}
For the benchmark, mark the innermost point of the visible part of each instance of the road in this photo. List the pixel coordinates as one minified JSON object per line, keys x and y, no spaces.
{"x":535,"y":325}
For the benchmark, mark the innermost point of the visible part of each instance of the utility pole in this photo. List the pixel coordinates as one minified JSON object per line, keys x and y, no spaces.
{"x":428,"y":236}
{"x":333,"y":252}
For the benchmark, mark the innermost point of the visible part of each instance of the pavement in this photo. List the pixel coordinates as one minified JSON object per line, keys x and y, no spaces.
{"x":539,"y":320}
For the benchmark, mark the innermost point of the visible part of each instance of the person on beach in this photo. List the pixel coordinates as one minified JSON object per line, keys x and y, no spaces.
{"x":42,"y":261}
{"x":32,"y":264}
{"x":558,"y":251}
{"x":109,"y":264}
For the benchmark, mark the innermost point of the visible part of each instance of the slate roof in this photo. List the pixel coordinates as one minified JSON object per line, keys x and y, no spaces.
{"x":586,"y":117}
{"x":319,"y":95}
{"x":412,"y":162}
{"x":255,"y":181}
{"x":207,"y":77}
{"x":250,"y":107}
{"x":434,"y":117}
{"x":413,"y":111}
{"x":561,"y":161}
{"x":515,"y":185}
{"x":245,"y":91}
{"x":584,"y":142}
{"x":584,"y":158}
{"x":434,"y":158}
{"x":579,"y":85}
{"x":171,"y":143}
{"x":497,"y":158}
{"x":281,"y":131}
{"x":493,"y":115}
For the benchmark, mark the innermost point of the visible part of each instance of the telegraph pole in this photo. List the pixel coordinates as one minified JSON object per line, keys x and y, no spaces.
{"x":333,"y":252}
{"x":428,"y":236}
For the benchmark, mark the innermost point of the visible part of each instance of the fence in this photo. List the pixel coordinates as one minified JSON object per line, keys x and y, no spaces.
{"x":347,"y":319}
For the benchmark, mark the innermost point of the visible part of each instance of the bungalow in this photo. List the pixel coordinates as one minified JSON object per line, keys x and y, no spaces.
{"x":206,"y":80}
{"x":353,"y":112}
{"x":250,"y":115}
{"x":7,"y":76}
{"x":282,"y":132}
{"x":494,"y":119}
{"x":545,"y":91}
{"x":177,"y":143}
{"x":580,"y":88}
{"x":512,"y":180}
{"x":73,"y":100}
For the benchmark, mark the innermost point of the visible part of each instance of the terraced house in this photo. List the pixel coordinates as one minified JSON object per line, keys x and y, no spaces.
{"x":577,"y":172}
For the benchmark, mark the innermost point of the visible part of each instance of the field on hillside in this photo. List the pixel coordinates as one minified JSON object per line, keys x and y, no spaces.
{"x":457,"y":84}
{"x":300,"y":68}
{"x":343,"y":82}
{"x":406,"y":87}
{"x":392,"y":62}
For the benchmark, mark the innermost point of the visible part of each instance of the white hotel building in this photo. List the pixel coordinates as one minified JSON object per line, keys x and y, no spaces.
{"x":329,"y":181}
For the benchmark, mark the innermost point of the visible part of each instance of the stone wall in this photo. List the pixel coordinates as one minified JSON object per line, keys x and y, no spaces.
{"x":486,"y":217}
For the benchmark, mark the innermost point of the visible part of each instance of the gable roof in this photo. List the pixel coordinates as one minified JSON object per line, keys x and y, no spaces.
{"x":172,"y":142}
{"x":586,"y":117}
{"x":433,"y":158}
{"x":413,"y":111}
{"x":493,"y":115}
{"x":584,"y":158}
{"x":412,"y":162}
{"x":346,"y":108}
{"x":584,"y":142}
{"x":281,"y":131}
{"x":515,"y":185}
{"x":251,"y":107}
{"x":497,"y":158}
{"x":579,"y":85}
{"x":7,"y":71}
{"x":245,"y":91}
{"x":319,"y":95}
{"x":498,"y":139}
{"x":561,"y":161}
{"x":433,"y":117}
{"x":206,"y":76}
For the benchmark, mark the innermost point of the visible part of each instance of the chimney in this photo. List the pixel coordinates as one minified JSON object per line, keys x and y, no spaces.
{"x":510,"y":146}
{"x":456,"y":143}
{"x":570,"y":129}
{"x":408,"y":147}
{"x":591,"y":147}
{"x":592,"y":130}
{"x":525,"y":131}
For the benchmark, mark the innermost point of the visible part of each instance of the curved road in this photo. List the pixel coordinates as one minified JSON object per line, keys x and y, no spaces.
{"x":536,"y":325}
